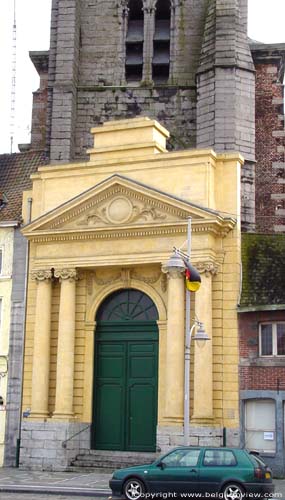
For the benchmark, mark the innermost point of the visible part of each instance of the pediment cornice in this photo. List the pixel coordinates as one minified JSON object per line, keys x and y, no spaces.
{"x":120,"y":207}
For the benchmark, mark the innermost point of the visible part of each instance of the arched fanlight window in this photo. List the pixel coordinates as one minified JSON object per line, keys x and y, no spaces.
{"x":134,"y":41}
{"x":161,"y":42}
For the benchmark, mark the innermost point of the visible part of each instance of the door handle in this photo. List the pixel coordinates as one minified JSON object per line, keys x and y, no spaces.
{"x":193,"y":470}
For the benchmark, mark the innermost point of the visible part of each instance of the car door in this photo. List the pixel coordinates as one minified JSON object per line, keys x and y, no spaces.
{"x":217,"y":465}
{"x":177,"y":472}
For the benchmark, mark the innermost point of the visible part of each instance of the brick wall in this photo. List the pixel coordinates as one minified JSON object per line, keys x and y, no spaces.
{"x":270,"y":144}
{"x":258,"y":373}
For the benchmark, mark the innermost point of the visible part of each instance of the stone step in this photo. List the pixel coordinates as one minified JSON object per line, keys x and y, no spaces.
{"x":110,"y":460}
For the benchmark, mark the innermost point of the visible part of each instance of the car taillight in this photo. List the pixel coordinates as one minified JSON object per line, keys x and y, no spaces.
{"x":258,"y":473}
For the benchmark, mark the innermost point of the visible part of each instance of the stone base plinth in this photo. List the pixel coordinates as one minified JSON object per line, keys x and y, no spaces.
{"x":171,"y":436}
{"x":51,"y":445}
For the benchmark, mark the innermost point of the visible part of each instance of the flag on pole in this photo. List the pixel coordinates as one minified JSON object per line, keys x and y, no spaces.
{"x":192,"y":277}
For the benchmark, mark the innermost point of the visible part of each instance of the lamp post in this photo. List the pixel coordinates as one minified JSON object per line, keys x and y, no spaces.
{"x":200,"y":337}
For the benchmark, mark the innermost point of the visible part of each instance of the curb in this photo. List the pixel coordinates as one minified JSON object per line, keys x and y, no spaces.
{"x":56,"y":490}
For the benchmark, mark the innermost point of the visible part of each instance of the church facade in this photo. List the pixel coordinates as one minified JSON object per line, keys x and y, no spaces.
{"x":105,"y":332}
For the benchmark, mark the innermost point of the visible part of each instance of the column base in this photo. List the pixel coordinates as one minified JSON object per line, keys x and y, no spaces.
{"x":39,"y":415}
{"x":62,"y":416}
{"x":202,"y":420}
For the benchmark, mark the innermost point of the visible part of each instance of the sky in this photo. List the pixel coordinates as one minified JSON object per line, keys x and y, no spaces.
{"x":265,"y":24}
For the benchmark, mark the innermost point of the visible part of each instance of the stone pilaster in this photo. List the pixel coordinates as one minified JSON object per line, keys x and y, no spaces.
{"x":174,"y":396}
{"x":41,"y":352}
{"x":203,"y":359}
{"x":65,"y":346}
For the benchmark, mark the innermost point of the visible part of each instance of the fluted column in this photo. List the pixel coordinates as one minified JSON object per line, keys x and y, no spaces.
{"x":203,"y":360}
{"x":175,"y":347}
{"x":41,"y":352}
{"x":65,"y":346}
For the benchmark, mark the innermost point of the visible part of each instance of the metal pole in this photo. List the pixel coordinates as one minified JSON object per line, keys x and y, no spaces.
{"x":187,"y":349}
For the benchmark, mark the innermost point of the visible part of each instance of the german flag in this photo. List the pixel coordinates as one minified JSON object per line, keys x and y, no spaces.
{"x":193,"y":278}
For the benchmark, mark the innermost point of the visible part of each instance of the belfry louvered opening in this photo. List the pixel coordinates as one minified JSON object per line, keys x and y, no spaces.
{"x":161,"y":42}
{"x":135,"y":41}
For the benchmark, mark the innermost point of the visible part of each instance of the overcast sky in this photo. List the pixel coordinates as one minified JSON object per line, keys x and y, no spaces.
{"x":266,"y":24}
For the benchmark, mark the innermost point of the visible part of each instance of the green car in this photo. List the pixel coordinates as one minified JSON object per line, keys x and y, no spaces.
{"x":228,"y":473}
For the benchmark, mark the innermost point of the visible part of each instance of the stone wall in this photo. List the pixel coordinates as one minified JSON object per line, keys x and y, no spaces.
{"x":52,"y":446}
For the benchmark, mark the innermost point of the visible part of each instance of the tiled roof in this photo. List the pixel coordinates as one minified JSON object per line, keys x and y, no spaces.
{"x":15,"y":172}
{"x":263,"y":270}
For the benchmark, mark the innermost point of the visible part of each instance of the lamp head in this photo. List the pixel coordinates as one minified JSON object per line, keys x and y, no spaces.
{"x":201,"y":335}
{"x":175,"y":263}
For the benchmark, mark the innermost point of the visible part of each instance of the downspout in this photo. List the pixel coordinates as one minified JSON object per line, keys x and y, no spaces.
{"x":29,"y":218}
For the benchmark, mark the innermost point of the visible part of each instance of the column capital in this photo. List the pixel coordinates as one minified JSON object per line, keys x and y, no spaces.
{"x":41,"y":275}
{"x":66,"y":274}
{"x":149,"y":6}
{"x":173,"y":273}
{"x":208,"y":267}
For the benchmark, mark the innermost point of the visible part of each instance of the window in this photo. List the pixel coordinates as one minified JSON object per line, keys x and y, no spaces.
{"x":260,"y":434}
{"x":219,"y":457}
{"x":147,"y":41}
{"x":182,"y":458}
{"x":161,"y":42}
{"x":272,"y":339}
{"x":135,"y":42}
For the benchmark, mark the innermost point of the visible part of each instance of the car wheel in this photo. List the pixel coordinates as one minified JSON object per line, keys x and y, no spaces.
{"x":133,"y":489}
{"x":233,"y":491}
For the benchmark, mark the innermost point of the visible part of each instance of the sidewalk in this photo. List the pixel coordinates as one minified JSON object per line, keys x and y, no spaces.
{"x":89,"y":484}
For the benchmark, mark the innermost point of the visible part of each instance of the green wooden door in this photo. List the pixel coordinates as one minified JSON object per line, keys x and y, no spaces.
{"x":125,"y":380}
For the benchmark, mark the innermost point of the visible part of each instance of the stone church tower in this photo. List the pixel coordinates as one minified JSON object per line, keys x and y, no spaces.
{"x":185,"y":63}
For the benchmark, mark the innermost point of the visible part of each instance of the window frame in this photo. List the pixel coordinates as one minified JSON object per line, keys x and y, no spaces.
{"x":274,"y":339}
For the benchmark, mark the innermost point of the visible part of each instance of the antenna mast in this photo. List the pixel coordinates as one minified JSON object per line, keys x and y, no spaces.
{"x":13,"y":85}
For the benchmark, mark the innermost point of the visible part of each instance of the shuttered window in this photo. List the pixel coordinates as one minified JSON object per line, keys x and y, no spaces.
{"x":135,"y":41}
{"x":161,"y":42}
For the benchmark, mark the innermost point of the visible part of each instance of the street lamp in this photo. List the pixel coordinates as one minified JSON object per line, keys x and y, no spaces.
{"x":200,"y":337}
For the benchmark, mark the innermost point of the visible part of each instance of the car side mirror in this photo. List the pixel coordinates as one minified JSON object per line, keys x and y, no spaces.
{"x":161,"y":465}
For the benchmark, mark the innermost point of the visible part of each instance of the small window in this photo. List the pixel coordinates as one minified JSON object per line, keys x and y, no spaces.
{"x":272,"y":339}
{"x":219,"y":458}
{"x":182,"y":458}
{"x":260,"y":432}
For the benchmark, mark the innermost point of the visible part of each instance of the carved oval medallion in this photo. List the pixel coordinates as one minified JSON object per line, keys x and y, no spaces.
{"x":119,"y":210}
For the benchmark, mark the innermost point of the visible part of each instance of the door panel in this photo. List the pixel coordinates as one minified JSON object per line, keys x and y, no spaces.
{"x":110,"y":396}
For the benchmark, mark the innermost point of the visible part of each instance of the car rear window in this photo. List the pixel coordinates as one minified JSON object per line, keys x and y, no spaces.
{"x":257,"y":460}
{"x":219,"y":457}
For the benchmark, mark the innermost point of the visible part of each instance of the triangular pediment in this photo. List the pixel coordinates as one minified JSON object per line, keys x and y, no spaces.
{"x":118,"y":202}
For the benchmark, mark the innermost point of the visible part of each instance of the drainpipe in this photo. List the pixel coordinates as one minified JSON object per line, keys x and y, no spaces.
{"x":29,"y":218}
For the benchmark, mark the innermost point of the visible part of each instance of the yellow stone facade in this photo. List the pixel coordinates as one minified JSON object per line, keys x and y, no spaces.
{"x":6,"y":248}
{"x":111,"y":223}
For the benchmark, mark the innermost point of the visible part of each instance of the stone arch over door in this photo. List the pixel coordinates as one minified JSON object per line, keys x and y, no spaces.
{"x":125,"y":373}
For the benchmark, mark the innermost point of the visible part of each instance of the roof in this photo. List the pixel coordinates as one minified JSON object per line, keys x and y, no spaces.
{"x":15,"y":172}
{"x":263,"y":271}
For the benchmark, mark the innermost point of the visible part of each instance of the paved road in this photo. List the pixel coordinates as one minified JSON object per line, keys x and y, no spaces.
{"x":37,"y":496}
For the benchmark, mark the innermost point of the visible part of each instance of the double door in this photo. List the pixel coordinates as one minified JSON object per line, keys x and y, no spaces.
{"x":125,"y":394}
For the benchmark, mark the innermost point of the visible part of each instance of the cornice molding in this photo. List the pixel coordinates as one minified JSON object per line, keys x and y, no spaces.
{"x":218,"y":227}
